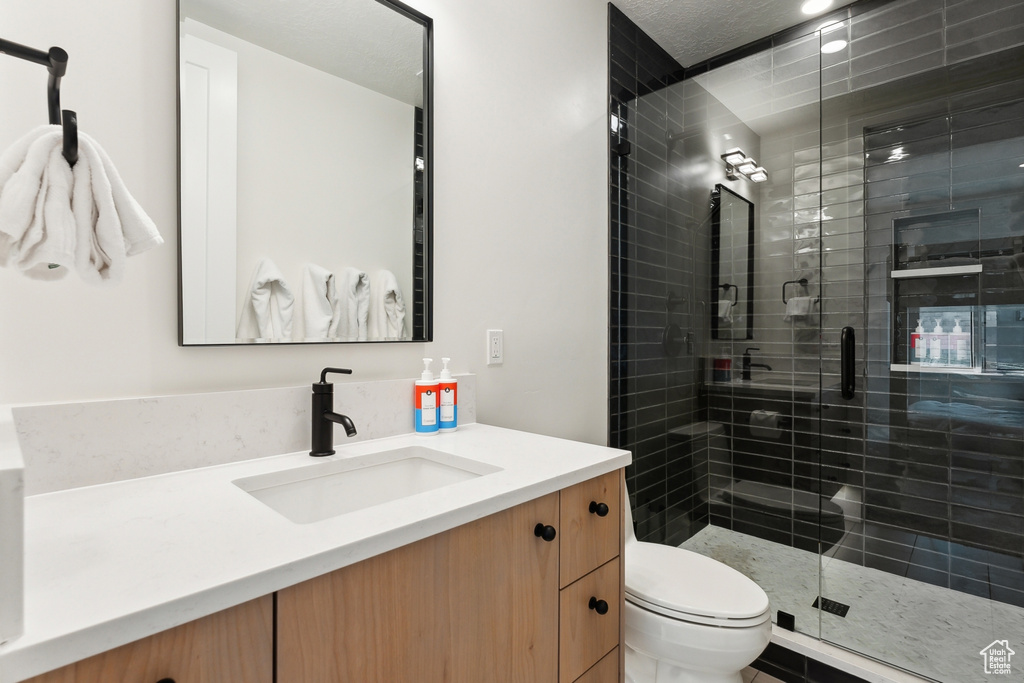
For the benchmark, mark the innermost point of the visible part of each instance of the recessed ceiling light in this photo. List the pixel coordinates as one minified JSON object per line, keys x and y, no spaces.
{"x":815,"y":6}
{"x":833,"y":46}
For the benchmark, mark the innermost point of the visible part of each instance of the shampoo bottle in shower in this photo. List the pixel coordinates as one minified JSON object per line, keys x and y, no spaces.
{"x":959,"y":346}
{"x":917,"y":345}
{"x":448,"y":394}
{"x":426,"y":401}
{"x":935,"y":345}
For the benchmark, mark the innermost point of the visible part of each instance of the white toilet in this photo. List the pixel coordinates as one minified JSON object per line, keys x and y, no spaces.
{"x":689,"y":619}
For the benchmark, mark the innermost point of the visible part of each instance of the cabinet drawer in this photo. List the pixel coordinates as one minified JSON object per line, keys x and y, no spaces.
{"x":605,"y":671}
{"x":233,"y":646}
{"x":588,"y":540}
{"x":585,"y":635}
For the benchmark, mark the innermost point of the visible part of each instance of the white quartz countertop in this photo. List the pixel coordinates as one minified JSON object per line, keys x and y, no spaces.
{"x":109,"y":564}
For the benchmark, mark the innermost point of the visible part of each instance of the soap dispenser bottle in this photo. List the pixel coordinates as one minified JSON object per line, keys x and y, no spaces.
{"x":917,"y":352}
{"x":448,"y":413}
{"x":959,"y":346}
{"x":935,"y":345}
{"x":426,"y":401}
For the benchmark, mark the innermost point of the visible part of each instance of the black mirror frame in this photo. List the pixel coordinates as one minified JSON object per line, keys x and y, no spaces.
{"x":716,"y":242}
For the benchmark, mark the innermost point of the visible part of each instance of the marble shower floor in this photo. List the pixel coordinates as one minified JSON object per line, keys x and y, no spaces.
{"x":930,"y":631}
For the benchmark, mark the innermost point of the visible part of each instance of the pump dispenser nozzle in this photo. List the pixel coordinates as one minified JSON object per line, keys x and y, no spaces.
{"x":445,"y":372}
{"x":427,"y":374}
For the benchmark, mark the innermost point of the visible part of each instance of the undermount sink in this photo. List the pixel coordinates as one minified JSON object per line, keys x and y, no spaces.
{"x":313,"y":493}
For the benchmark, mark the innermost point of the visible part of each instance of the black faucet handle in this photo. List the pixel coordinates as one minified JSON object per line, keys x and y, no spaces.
{"x":752,"y":348}
{"x":337,"y":371}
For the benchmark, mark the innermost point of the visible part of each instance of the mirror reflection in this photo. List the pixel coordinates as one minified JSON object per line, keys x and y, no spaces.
{"x":304,"y":163}
{"x":732,"y":265}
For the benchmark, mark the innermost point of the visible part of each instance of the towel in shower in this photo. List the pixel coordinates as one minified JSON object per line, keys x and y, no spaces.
{"x":387,"y":308}
{"x":54,"y":215}
{"x":267,"y":312}
{"x":352,"y":307}
{"x":799,"y":307}
{"x":319,"y":300}
{"x":725,"y":310}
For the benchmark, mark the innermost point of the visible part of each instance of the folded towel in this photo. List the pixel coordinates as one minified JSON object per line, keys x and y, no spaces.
{"x":725,"y":310}
{"x":799,"y":307}
{"x":267,"y":313}
{"x":352,"y":306}
{"x":387,"y":308}
{"x":319,"y":300}
{"x":52,"y":214}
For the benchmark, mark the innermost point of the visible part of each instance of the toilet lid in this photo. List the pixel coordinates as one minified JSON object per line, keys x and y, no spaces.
{"x":691,"y":584}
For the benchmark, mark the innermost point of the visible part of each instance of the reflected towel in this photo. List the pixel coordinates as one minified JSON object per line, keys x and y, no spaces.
{"x":387,"y":308}
{"x":725,"y":310}
{"x":83,"y":217}
{"x":799,"y":307}
{"x":319,"y":301}
{"x":267,"y":312}
{"x":352,"y":307}
{"x":764,"y":424}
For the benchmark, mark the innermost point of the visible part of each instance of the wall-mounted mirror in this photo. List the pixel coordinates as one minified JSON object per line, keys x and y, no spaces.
{"x":732,"y":265}
{"x":304,"y":172}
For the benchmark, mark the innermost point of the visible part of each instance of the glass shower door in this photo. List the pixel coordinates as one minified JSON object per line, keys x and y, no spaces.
{"x":922,"y":255}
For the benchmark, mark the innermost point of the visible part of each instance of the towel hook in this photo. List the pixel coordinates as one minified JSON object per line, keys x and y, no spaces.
{"x":56,"y":62}
{"x":802,"y":282}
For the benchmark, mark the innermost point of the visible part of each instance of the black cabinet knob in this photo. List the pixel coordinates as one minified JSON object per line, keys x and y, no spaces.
{"x":166,"y":680}
{"x":599,"y":606}
{"x":545,"y":531}
{"x":599,"y":509}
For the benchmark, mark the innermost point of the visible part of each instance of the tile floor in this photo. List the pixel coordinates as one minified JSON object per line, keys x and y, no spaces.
{"x":925,"y":629}
{"x":751,"y":675}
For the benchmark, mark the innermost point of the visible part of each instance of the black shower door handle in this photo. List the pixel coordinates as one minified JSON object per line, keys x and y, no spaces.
{"x":847,"y":361}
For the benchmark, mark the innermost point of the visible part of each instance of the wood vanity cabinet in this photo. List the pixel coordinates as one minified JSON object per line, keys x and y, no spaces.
{"x":487,"y":601}
{"x":236,"y":645}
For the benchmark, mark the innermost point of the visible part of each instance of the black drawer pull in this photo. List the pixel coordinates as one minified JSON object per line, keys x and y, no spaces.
{"x":166,"y":680}
{"x":599,"y":606}
{"x":599,"y":509}
{"x":547,"y":532}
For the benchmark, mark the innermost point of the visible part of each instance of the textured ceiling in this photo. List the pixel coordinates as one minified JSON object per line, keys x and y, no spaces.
{"x":361,"y":41}
{"x":694,"y":30}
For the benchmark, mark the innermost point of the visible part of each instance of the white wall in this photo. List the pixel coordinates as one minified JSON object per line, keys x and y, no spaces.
{"x":520,"y":216}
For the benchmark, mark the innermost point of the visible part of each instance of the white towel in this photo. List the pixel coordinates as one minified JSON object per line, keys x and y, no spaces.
{"x":52,"y":214}
{"x":319,"y":300}
{"x":352,"y":306}
{"x":799,"y":307}
{"x":725,"y":310}
{"x":387,"y":308}
{"x":267,"y":314}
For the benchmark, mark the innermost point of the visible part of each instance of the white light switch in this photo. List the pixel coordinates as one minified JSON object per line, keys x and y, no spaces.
{"x":495,"y":347}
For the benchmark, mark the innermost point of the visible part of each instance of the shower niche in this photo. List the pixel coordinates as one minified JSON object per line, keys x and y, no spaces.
{"x":952,"y":292}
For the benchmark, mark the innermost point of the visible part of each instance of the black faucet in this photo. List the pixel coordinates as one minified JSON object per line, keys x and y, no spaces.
{"x":747,"y":364}
{"x":324,"y":417}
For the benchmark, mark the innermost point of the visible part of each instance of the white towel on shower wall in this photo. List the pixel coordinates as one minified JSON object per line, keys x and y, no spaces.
{"x":319,"y":300}
{"x":352,"y":307}
{"x":799,"y":307}
{"x":387,"y":308}
{"x":267,"y":312}
{"x":81,"y":217}
{"x":725,"y":310}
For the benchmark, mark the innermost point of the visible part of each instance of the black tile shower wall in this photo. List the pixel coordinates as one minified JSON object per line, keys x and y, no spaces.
{"x":791,"y":667}
{"x":653,"y":383}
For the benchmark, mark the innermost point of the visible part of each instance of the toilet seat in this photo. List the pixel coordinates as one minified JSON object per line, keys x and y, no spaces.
{"x":687,"y":586}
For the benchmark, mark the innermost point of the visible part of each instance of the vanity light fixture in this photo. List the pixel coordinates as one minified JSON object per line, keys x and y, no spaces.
{"x":738,"y":164}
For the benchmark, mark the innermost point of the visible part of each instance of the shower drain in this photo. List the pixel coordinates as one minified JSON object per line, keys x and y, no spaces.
{"x":832,"y":607}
